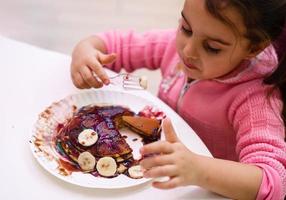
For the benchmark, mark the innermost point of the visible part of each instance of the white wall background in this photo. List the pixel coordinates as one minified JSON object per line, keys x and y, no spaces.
{"x":59,"y":24}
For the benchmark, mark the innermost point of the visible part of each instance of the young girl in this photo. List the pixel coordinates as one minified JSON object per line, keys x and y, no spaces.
{"x":221,"y":74}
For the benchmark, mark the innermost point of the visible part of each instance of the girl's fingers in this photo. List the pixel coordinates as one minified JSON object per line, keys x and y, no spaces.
{"x":78,"y":81}
{"x":173,"y":182}
{"x":156,"y":160}
{"x":89,"y":79}
{"x":162,"y":171}
{"x":98,"y":69}
{"x":169,"y":131}
{"x":157,"y":148}
{"x":106,"y":58}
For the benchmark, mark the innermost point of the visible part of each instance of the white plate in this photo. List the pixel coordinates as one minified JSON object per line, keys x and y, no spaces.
{"x":58,"y":112}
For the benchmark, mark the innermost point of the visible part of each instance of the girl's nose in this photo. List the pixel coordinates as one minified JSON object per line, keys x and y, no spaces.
{"x":190,"y":50}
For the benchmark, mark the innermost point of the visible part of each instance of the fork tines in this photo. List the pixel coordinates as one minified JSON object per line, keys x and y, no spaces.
{"x":132,"y":82}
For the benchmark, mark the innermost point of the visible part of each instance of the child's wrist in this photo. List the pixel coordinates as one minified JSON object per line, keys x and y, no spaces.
{"x":200,"y":175}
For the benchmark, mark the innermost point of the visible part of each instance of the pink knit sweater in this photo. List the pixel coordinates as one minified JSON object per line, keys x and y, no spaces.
{"x":232,"y":115}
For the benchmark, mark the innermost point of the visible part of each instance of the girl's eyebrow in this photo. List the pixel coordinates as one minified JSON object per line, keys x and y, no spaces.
{"x":210,"y":38}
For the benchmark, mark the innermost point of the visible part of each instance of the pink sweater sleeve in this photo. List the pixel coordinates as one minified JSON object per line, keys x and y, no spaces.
{"x":260,"y":139}
{"x":149,"y":50}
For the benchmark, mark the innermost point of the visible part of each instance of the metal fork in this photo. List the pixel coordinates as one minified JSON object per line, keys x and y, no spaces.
{"x":129,"y":82}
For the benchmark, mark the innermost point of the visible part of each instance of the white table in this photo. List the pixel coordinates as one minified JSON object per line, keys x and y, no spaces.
{"x":31,"y":79}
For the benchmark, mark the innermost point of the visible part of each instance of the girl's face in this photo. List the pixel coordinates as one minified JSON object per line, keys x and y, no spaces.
{"x":209,"y":48}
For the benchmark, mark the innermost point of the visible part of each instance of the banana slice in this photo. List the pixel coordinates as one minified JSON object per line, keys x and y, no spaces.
{"x":135,"y":171}
{"x":106,"y":166}
{"x":86,"y":161}
{"x":143,"y":81}
{"x":87,"y":137}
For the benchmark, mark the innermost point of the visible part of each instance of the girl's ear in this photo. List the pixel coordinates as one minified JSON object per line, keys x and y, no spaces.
{"x":255,"y":50}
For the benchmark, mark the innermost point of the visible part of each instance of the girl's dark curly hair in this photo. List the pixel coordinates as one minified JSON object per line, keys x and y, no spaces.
{"x":265,"y":22}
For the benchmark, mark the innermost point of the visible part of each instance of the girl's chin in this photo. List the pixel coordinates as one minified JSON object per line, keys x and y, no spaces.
{"x":191,"y":73}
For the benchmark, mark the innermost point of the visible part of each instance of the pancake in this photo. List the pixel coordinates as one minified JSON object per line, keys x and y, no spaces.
{"x":147,"y":127}
{"x":106,"y":121}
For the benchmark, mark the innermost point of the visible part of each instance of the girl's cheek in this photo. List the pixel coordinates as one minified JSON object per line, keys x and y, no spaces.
{"x":179,"y":42}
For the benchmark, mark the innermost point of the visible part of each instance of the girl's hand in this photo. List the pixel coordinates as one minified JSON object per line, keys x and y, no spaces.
{"x":88,"y":61}
{"x":171,"y":159}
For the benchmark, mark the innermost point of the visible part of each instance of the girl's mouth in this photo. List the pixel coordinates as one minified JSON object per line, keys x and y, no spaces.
{"x":189,"y":65}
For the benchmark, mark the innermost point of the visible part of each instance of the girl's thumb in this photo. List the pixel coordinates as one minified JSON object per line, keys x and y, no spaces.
{"x":169,"y":131}
{"x":107,"y":58}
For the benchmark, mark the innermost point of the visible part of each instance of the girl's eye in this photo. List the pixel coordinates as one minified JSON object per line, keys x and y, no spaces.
{"x":186,"y":31}
{"x":211,"y":49}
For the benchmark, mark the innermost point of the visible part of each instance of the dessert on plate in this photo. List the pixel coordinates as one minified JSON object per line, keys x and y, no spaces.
{"x":90,"y":141}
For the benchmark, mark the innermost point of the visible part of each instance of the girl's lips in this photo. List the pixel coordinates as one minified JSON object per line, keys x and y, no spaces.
{"x":190,"y":66}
